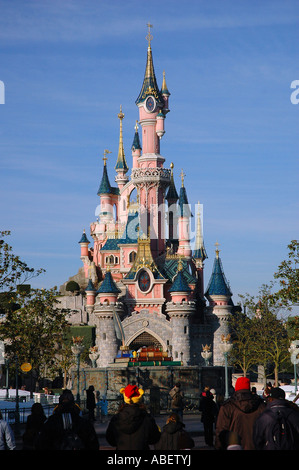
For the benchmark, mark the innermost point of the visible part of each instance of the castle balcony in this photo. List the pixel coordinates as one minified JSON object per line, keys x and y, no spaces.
{"x":144,"y":176}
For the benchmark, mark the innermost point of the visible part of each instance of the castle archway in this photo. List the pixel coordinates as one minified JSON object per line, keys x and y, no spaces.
{"x":146,"y":338}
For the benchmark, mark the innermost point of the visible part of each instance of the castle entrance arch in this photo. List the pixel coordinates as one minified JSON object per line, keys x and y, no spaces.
{"x":145,"y":339}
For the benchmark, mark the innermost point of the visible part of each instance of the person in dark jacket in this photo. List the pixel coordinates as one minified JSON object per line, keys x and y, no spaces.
{"x":177,"y":400}
{"x":66,"y":429}
{"x":209,"y":412}
{"x":132,"y":428}
{"x":34,"y":424}
{"x":174,"y":436}
{"x":90,"y":402}
{"x":262,"y":431}
{"x":238,"y":414}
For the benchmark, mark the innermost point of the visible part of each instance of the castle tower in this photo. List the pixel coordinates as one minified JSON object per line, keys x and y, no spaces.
{"x":172,"y":198}
{"x":150,"y":178}
{"x":220,"y":306}
{"x":199,"y":253}
{"x":136,"y":147}
{"x":184,"y":222}
{"x":104,"y":312}
{"x":121,"y":166}
{"x":90,"y":296}
{"x":180,"y":310}
{"x":84,"y":242}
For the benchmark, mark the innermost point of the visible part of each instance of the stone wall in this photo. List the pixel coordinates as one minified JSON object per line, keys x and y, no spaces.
{"x":156,"y":381}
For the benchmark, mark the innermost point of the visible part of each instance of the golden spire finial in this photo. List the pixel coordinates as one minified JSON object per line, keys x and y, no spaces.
{"x":136,"y":126}
{"x":121,"y":152}
{"x":105,"y":158}
{"x":164,"y":86}
{"x":182,"y":175}
{"x":120,"y":114}
{"x":149,"y":37}
{"x":217,"y":249}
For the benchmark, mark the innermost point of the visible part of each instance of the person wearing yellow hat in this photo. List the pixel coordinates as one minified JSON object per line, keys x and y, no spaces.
{"x":132,"y":428}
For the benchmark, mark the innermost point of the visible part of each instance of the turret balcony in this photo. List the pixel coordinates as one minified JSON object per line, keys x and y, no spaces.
{"x":159,"y":176}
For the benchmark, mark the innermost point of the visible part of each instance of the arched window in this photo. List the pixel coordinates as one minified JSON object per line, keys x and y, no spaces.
{"x":132,"y":256}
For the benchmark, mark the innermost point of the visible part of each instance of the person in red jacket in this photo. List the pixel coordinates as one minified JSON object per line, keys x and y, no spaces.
{"x":238,"y":415}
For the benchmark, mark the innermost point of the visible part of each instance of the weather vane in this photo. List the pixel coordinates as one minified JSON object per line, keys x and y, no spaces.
{"x":105,"y":158}
{"x":149,"y":37}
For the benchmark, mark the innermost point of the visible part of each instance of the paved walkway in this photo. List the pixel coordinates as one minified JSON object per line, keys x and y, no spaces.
{"x":192,"y":424}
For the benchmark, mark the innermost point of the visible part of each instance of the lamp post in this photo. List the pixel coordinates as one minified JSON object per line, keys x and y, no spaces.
{"x":225,"y":348}
{"x":77,"y":350}
{"x":206,"y":354}
{"x":294,"y":351}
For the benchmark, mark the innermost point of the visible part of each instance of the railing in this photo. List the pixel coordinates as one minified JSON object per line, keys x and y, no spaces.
{"x":10,"y":414}
{"x":163,"y":405}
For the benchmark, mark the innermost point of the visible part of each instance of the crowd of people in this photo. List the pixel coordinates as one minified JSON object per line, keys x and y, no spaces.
{"x":245,"y":421}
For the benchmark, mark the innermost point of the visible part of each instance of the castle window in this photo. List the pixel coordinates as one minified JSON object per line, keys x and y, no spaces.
{"x":132,"y":257}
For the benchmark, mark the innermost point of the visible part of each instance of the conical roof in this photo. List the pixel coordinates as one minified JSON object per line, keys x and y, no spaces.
{"x":180,"y":283}
{"x":172,"y":194}
{"x":218,"y":284}
{"x":136,"y":142}
{"x":121,"y":163}
{"x":84,"y":238}
{"x":108,"y":285}
{"x":90,"y":287}
{"x":149,"y":86}
{"x":105,"y":186}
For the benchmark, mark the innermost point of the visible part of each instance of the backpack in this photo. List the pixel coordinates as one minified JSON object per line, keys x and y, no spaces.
{"x":281,"y":435}
{"x":71,"y":441}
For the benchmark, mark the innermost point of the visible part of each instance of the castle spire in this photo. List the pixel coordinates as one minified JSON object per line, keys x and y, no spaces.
{"x":199,"y":248}
{"x":172,"y":195}
{"x":218,"y":284}
{"x":105,"y":187}
{"x":149,"y":86}
{"x":121,"y":163}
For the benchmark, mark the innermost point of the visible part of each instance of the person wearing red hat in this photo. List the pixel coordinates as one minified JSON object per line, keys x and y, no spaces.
{"x":237,"y":415}
{"x":132,"y":428}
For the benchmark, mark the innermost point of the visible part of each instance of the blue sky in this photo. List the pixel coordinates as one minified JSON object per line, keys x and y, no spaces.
{"x":67,"y":66}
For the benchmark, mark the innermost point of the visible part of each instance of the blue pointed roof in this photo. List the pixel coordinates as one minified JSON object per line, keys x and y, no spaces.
{"x":90,"y":287}
{"x":105,"y":187}
{"x":108,"y":285}
{"x":218,"y":284}
{"x":180,"y":283}
{"x":149,"y":86}
{"x":200,"y":253}
{"x":184,"y":204}
{"x":84,"y":238}
{"x":136,"y":142}
{"x":172,"y":194}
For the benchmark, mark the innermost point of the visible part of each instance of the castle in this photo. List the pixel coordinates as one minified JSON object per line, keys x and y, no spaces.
{"x":143,"y":284}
